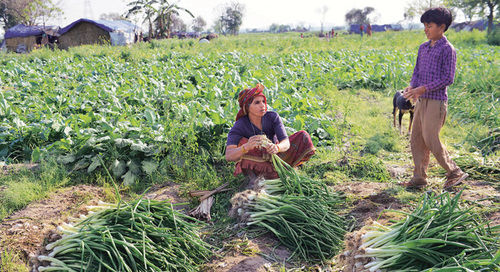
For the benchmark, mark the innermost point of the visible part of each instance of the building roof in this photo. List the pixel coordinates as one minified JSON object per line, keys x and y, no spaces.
{"x":109,"y":26}
{"x":21,"y":30}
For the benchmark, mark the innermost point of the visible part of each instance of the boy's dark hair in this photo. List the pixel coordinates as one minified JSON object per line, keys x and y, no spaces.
{"x":439,"y":16}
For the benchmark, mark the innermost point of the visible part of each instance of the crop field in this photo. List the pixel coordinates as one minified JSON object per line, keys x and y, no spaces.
{"x":156,"y":115}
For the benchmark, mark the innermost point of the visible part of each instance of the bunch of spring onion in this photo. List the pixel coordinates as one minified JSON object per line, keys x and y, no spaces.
{"x":143,"y":235}
{"x":438,"y":235}
{"x":301,"y":212}
{"x":307,"y":226}
{"x":291,"y":183}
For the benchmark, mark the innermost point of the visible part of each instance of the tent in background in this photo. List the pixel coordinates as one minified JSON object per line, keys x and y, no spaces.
{"x":22,"y":38}
{"x":86,"y":31}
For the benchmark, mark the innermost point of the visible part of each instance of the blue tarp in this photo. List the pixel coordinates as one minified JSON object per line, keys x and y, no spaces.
{"x":21,"y":30}
{"x":375,"y":28}
{"x":109,"y":26}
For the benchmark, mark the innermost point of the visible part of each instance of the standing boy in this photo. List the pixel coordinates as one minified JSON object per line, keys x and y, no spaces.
{"x":433,"y":73}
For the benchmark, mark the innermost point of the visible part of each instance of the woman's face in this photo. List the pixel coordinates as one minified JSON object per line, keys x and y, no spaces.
{"x":257,"y":107}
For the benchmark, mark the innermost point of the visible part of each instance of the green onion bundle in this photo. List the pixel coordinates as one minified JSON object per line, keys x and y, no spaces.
{"x":303,"y":224}
{"x":143,"y":235}
{"x":301,"y":212}
{"x":439,"y":235}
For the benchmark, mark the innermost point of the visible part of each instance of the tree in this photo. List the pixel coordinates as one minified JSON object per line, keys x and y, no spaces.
{"x":178,"y":24}
{"x":478,"y":7}
{"x":469,"y":11}
{"x":144,"y":8}
{"x":198,"y":24}
{"x":274,"y":28}
{"x":6,"y":18}
{"x":358,"y":16}
{"x":231,"y":18}
{"x":418,"y":7}
{"x":165,"y":13}
{"x":158,"y":15}
{"x":112,"y":16}
{"x":323,"y":10}
{"x":28,"y":12}
{"x":217,"y":27}
{"x":470,"y":8}
{"x":491,"y":5}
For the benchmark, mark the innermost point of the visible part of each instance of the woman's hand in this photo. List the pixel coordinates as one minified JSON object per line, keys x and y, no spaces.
{"x":254,"y":142}
{"x":272,"y":148}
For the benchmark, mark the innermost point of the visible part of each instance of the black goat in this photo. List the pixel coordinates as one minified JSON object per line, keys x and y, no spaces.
{"x":404,"y":106}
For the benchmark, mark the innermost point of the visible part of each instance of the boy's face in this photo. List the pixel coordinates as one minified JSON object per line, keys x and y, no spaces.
{"x":433,"y":31}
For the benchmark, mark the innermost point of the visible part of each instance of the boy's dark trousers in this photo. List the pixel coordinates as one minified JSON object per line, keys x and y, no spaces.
{"x":427,"y":123}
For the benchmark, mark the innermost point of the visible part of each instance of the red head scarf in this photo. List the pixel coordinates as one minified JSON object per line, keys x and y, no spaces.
{"x":245,"y":97}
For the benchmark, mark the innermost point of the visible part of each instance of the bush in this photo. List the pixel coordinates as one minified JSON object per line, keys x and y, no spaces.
{"x":493,"y":37}
{"x":467,"y":38}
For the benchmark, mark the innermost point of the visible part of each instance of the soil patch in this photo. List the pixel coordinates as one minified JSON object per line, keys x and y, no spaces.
{"x":346,"y":261}
{"x":29,"y":229}
{"x":168,"y":191}
{"x":14,"y":168}
{"x":253,"y":255}
{"x":361,"y":189}
{"x":483,"y":194}
{"x":372,"y":208}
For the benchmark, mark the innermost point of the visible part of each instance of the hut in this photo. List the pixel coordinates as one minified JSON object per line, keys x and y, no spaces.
{"x":86,"y":31}
{"x":469,"y":26}
{"x":22,"y":38}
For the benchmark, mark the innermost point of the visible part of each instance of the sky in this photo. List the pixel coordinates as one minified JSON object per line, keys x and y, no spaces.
{"x":258,"y":14}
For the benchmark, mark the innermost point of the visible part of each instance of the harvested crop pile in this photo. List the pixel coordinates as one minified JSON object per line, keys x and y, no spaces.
{"x":438,"y":234}
{"x":301,"y":212}
{"x":142,"y":235}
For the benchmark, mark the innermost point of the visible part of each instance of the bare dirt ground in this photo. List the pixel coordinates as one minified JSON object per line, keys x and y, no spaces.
{"x":13,"y":168}
{"x":258,"y":254}
{"x":29,"y":229}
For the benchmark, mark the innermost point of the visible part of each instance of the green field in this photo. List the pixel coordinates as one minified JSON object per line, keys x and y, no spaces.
{"x":160,"y":112}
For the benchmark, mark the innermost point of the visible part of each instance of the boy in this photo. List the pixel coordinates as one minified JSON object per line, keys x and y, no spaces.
{"x":433,"y":72}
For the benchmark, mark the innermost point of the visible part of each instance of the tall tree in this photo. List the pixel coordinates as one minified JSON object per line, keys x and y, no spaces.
{"x":6,"y":18}
{"x":231,"y":18}
{"x":418,"y":7}
{"x":469,"y":11}
{"x":28,"y":12}
{"x":178,"y":24}
{"x":470,"y":8}
{"x":158,"y":15}
{"x":492,"y":5}
{"x":198,"y":24}
{"x":165,"y":12}
{"x":323,"y":10}
{"x":143,"y":8}
{"x":484,"y":8}
{"x":358,"y":16}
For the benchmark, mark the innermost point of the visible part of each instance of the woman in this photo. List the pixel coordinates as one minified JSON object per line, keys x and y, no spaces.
{"x":245,"y":143}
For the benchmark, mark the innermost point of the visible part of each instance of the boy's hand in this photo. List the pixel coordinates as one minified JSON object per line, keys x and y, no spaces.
{"x":414,"y":93}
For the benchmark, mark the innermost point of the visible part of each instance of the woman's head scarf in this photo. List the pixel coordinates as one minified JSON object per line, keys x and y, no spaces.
{"x":245,"y":98}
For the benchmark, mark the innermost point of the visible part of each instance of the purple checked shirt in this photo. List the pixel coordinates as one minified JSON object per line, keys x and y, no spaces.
{"x":435,"y":69}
